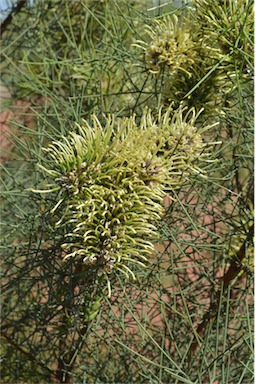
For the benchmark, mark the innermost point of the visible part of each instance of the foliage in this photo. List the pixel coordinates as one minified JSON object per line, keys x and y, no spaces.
{"x":129,"y":161}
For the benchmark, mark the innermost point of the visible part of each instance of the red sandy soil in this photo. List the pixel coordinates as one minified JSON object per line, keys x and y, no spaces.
{"x":19,"y":112}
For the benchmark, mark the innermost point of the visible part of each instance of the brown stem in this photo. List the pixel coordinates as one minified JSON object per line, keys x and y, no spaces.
{"x":67,"y":360}
{"x":62,"y":373}
{"x":233,"y":270}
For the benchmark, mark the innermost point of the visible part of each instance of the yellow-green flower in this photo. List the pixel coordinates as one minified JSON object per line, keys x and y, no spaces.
{"x":171,"y":46}
{"x":186,"y":56}
{"x":111,"y":181}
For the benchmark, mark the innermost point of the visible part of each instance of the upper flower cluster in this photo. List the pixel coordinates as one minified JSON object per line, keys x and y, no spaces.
{"x":171,"y":46}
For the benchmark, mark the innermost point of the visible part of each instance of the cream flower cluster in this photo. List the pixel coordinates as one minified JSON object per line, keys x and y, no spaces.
{"x":111,"y":181}
{"x":171,"y":46}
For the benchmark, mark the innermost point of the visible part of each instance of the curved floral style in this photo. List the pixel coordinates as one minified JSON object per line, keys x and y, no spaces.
{"x":171,"y":46}
{"x":111,"y":182}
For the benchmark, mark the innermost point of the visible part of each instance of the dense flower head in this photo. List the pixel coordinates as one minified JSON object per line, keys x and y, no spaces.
{"x":111,"y":181}
{"x":171,"y":46}
{"x":182,"y":55}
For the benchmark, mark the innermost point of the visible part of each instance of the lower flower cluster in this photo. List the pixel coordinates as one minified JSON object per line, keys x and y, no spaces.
{"x":111,"y":181}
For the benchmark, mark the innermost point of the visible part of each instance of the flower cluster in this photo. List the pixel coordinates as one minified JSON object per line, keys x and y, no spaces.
{"x":171,"y":46}
{"x":185,"y":55}
{"x":111,"y":181}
